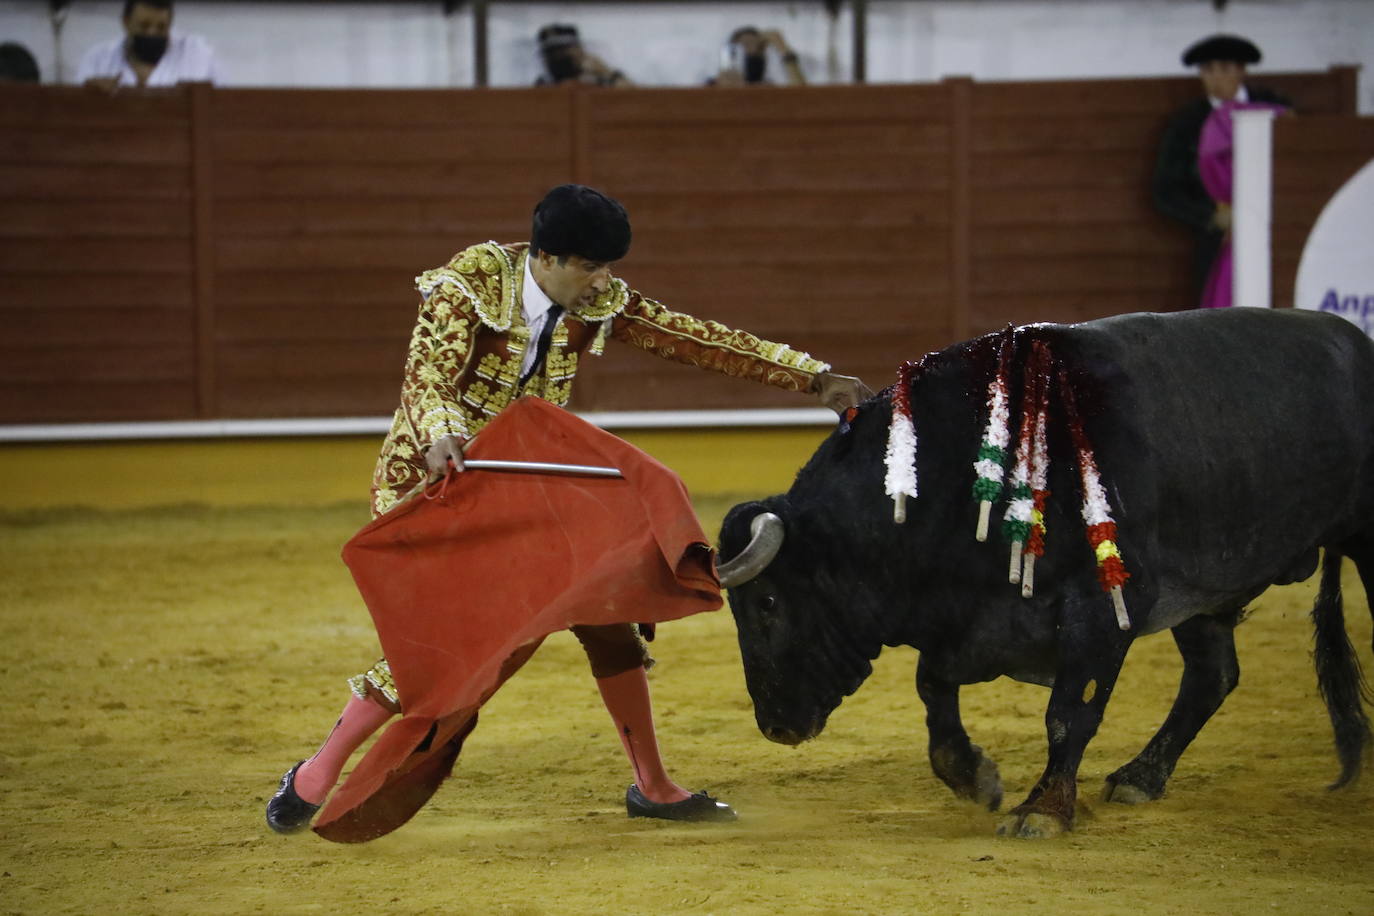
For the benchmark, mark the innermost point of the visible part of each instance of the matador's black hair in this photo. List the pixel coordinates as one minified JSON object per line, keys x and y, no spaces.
{"x":576,"y":219}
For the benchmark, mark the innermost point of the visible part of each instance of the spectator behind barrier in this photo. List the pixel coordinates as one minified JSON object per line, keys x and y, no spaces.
{"x":1215,"y":166}
{"x":148,"y":54}
{"x":566,"y":60}
{"x":744,"y":59}
{"x":1177,"y":186}
{"x":17,"y":64}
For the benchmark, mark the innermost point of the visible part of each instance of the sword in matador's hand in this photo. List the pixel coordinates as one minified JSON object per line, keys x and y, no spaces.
{"x":448,"y":454}
{"x":494,"y":464}
{"x":541,"y":467}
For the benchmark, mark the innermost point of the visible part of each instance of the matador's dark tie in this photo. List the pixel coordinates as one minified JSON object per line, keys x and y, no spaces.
{"x":541,"y":349}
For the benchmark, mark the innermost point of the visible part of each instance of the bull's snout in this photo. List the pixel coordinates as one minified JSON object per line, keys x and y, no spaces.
{"x":784,"y":736}
{"x":792,"y":736}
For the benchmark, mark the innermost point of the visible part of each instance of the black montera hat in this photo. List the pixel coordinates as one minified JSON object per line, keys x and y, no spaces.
{"x":1222,"y":47}
{"x":576,"y":219}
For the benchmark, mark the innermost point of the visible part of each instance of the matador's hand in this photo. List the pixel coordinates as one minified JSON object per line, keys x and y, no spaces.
{"x":840,"y":392}
{"x":445,"y":449}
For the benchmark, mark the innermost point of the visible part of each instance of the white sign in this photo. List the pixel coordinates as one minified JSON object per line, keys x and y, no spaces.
{"x":1336,"y":273}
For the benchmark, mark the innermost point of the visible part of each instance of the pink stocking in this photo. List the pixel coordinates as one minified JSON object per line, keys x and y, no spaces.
{"x":360,"y":718}
{"x":626,"y":696}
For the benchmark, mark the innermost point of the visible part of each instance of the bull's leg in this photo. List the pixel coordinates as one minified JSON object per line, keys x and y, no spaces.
{"x":1091,"y":652}
{"x":958,"y":762}
{"x":1210,"y":673}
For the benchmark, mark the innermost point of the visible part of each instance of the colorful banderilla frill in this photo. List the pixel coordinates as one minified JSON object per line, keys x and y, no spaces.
{"x":1097,"y":513}
{"x":900,"y":482}
{"x":1023,"y":522}
{"x":1039,"y":466}
{"x":1016,"y":520}
{"x":990,"y":466}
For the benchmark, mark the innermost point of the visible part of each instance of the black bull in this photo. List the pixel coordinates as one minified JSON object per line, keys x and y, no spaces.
{"x":1233,"y":445}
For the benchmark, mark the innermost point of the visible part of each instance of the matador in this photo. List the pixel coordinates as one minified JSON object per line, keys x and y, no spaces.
{"x":502,"y":321}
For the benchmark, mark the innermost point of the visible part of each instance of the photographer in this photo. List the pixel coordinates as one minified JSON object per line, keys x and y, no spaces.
{"x":565,"y":59}
{"x":745,"y":59}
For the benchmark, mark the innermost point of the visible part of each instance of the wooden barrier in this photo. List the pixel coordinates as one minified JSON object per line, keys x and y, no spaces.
{"x":97,"y":300}
{"x":249,"y":253}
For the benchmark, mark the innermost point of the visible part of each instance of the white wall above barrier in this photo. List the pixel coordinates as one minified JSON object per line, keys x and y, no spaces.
{"x":402,"y":43}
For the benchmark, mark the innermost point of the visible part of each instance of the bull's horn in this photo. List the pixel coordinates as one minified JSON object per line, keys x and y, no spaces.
{"x":765,"y":540}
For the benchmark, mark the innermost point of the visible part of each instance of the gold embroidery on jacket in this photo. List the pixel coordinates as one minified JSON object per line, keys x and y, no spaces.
{"x":442,"y":394}
{"x":598,"y":346}
{"x":378,"y":677}
{"x":650,"y":326}
{"x":608,"y":304}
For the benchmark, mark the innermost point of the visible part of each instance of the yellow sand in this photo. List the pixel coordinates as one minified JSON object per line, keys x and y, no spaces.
{"x":166,"y":665}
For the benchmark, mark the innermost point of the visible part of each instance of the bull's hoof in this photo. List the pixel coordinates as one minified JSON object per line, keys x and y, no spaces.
{"x":970,"y":774}
{"x":987,"y":786}
{"x":1134,"y":784}
{"x":1032,"y":825}
{"x":1125,"y":794}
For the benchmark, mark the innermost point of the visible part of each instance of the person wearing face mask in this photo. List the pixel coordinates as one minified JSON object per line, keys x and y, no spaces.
{"x":502,"y":321}
{"x":745,"y":59}
{"x":566,"y":60}
{"x":148,"y":54}
{"x":1177,"y":187}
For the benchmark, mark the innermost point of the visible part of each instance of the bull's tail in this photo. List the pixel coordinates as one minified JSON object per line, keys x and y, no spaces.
{"x":1339,"y":676}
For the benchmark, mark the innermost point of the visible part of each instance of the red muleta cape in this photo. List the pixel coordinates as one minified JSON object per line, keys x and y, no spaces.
{"x":463,"y":587}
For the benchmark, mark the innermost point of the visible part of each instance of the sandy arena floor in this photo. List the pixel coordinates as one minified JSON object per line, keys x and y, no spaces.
{"x":164,"y":667}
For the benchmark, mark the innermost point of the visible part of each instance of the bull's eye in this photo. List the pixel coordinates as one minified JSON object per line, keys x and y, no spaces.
{"x":767,"y":602}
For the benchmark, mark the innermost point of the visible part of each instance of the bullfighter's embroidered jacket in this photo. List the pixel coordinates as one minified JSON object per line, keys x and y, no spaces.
{"x":465,"y":355}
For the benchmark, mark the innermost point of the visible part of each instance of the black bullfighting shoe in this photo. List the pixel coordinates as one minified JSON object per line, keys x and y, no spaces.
{"x":287,"y":812}
{"x":700,"y":807}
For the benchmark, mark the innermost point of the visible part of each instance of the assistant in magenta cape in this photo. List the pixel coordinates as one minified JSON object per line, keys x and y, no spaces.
{"x":1214,"y":164}
{"x":464,"y":582}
